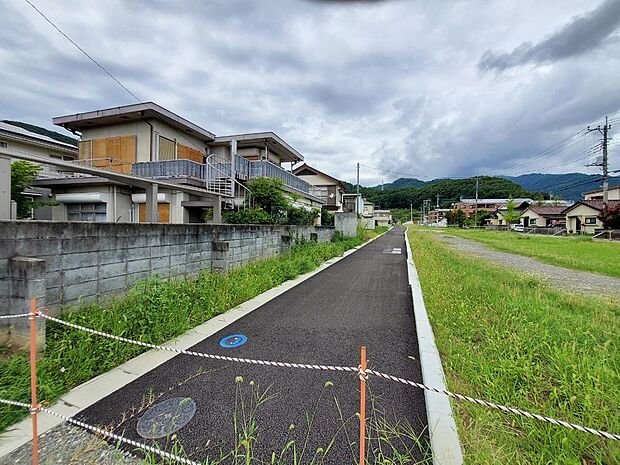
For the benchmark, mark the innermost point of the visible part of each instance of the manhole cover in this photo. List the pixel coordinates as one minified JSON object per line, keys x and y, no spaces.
{"x":234,"y":340}
{"x":166,"y":418}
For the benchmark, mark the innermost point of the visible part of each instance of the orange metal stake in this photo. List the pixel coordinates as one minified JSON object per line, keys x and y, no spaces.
{"x":33,"y":380}
{"x":363,"y":405}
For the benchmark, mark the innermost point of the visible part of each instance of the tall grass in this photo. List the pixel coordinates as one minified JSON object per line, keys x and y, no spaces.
{"x":508,"y":338}
{"x":390,"y":440}
{"x":153,"y":311}
{"x":578,"y":253}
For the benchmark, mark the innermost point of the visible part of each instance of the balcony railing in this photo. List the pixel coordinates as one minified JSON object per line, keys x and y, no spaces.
{"x":169,"y":169}
{"x":217,"y":169}
{"x":263,"y":168}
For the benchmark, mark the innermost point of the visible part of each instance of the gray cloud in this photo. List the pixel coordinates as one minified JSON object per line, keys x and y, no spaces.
{"x":581,"y":35}
{"x":390,"y":84}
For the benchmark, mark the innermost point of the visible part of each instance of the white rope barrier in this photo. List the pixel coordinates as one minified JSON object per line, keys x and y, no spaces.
{"x":361,"y":373}
{"x":103,"y":432}
{"x":21,"y":315}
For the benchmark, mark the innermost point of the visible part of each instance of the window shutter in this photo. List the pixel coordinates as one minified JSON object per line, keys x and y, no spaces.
{"x":167,"y":149}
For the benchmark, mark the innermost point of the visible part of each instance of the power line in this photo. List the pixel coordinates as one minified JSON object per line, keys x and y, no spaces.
{"x":393,"y":172}
{"x":103,"y":68}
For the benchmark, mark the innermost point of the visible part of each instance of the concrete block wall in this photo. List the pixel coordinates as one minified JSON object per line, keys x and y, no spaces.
{"x":87,"y":261}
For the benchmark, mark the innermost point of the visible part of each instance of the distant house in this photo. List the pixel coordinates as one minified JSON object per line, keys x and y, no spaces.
{"x":438,"y":217}
{"x":327,"y":188}
{"x":536,"y":216}
{"x":582,"y":217}
{"x":497,"y":216}
{"x":613,"y":193}
{"x":471,"y":206}
{"x":26,"y":141}
{"x":382,"y":217}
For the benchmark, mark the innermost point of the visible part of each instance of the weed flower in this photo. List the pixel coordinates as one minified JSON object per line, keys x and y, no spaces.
{"x":328,"y":384}
{"x":238,"y":379}
{"x":62,"y":370}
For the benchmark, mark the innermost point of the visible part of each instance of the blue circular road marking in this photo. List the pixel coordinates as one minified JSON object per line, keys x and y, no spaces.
{"x":232,"y":341}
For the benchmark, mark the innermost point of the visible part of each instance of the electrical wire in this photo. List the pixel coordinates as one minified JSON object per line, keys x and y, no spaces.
{"x":103,"y":68}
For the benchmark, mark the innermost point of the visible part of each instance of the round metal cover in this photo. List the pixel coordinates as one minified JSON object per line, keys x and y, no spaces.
{"x":234,"y":340}
{"x":166,"y":418}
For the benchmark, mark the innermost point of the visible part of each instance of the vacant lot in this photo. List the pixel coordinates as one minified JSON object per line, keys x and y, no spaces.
{"x":578,"y":253}
{"x":508,"y":338}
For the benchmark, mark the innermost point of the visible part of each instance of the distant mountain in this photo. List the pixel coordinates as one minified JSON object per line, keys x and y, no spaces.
{"x":403,"y":182}
{"x":44,"y":132}
{"x":448,"y":190}
{"x":569,"y":186}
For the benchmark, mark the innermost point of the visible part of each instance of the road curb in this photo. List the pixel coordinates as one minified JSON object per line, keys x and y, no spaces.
{"x":99,"y":387}
{"x":445,"y":444}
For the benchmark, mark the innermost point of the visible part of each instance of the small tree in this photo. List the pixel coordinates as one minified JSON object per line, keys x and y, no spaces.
{"x":457,"y":217}
{"x":512,"y":215}
{"x":267,"y":194}
{"x":22,"y":174}
{"x":610,"y":216}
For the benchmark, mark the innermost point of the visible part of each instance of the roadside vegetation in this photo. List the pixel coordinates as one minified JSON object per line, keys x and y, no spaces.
{"x":507,"y":338}
{"x":578,"y":253}
{"x":153,"y":311}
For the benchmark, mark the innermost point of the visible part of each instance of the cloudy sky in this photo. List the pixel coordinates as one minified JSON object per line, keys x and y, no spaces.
{"x":415,"y":87}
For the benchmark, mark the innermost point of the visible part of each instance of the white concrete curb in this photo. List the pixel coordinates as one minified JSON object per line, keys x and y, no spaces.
{"x":445,"y":444}
{"x":92,"y":391}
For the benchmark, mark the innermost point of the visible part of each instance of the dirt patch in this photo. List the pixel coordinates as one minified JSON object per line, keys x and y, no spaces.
{"x":579,"y":282}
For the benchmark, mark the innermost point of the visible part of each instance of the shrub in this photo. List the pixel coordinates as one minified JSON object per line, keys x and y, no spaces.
{"x":253,"y":216}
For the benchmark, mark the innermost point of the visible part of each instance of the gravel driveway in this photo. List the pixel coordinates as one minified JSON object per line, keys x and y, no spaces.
{"x":580,"y":282}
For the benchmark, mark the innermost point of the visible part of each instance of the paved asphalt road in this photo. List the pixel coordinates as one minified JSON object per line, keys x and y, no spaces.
{"x":363,"y":299}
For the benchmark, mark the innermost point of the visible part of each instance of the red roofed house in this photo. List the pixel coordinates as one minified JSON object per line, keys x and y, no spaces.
{"x":582,"y":216}
{"x":536,"y":216}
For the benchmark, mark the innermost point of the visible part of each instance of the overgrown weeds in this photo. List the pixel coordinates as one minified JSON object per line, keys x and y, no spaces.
{"x":506,"y":337}
{"x":390,"y":440}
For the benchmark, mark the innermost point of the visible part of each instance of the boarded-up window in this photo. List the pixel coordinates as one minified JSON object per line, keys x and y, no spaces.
{"x":163,"y":212}
{"x":114,"y":153}
{"x":187,"y":153}
{"x":167,"y":149}
{"x":85,"y":149}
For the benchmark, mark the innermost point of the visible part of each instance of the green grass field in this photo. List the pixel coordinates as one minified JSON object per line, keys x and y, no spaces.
{"x":508,"y":338}
{"x":579,"y":253}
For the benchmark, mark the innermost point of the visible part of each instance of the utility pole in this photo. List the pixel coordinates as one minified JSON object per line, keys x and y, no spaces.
{"x":411,"y":212}
{"x":476,"y":210}
{"x":604,"y":164}
{"x":357,"y":198}
{"x":381,"y":184}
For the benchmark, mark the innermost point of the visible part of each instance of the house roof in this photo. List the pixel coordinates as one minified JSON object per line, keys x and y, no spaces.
{"x":600,"y":191}
{"x":546,"y":211}
{"x":116,"y":115}
{"x":299,"y":171}
{"x":594,"y":204}
{"x":273,"y":142}
{"x":19,"y":132}
{"x":516,"y":201}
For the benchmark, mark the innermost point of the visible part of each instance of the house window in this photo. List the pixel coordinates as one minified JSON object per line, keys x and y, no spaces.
{"x":95,"y":212}
{"x":3,"y":145}
{"x":85,"y":149}
{"x":167,"y":149}
{"x":591,"y":220}
{"x":533,"y":220}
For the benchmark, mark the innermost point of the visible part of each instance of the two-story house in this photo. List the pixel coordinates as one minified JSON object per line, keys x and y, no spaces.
{"x":148,"y":141}
{"x":327,"y":188}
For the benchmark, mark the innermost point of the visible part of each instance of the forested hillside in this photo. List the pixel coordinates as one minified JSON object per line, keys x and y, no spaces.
{"x":449,"y":190}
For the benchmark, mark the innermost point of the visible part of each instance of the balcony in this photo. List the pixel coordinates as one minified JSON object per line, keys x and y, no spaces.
{"x":171,"y":170}
{"x":216,"y":170}
{"x":266,"y":169}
